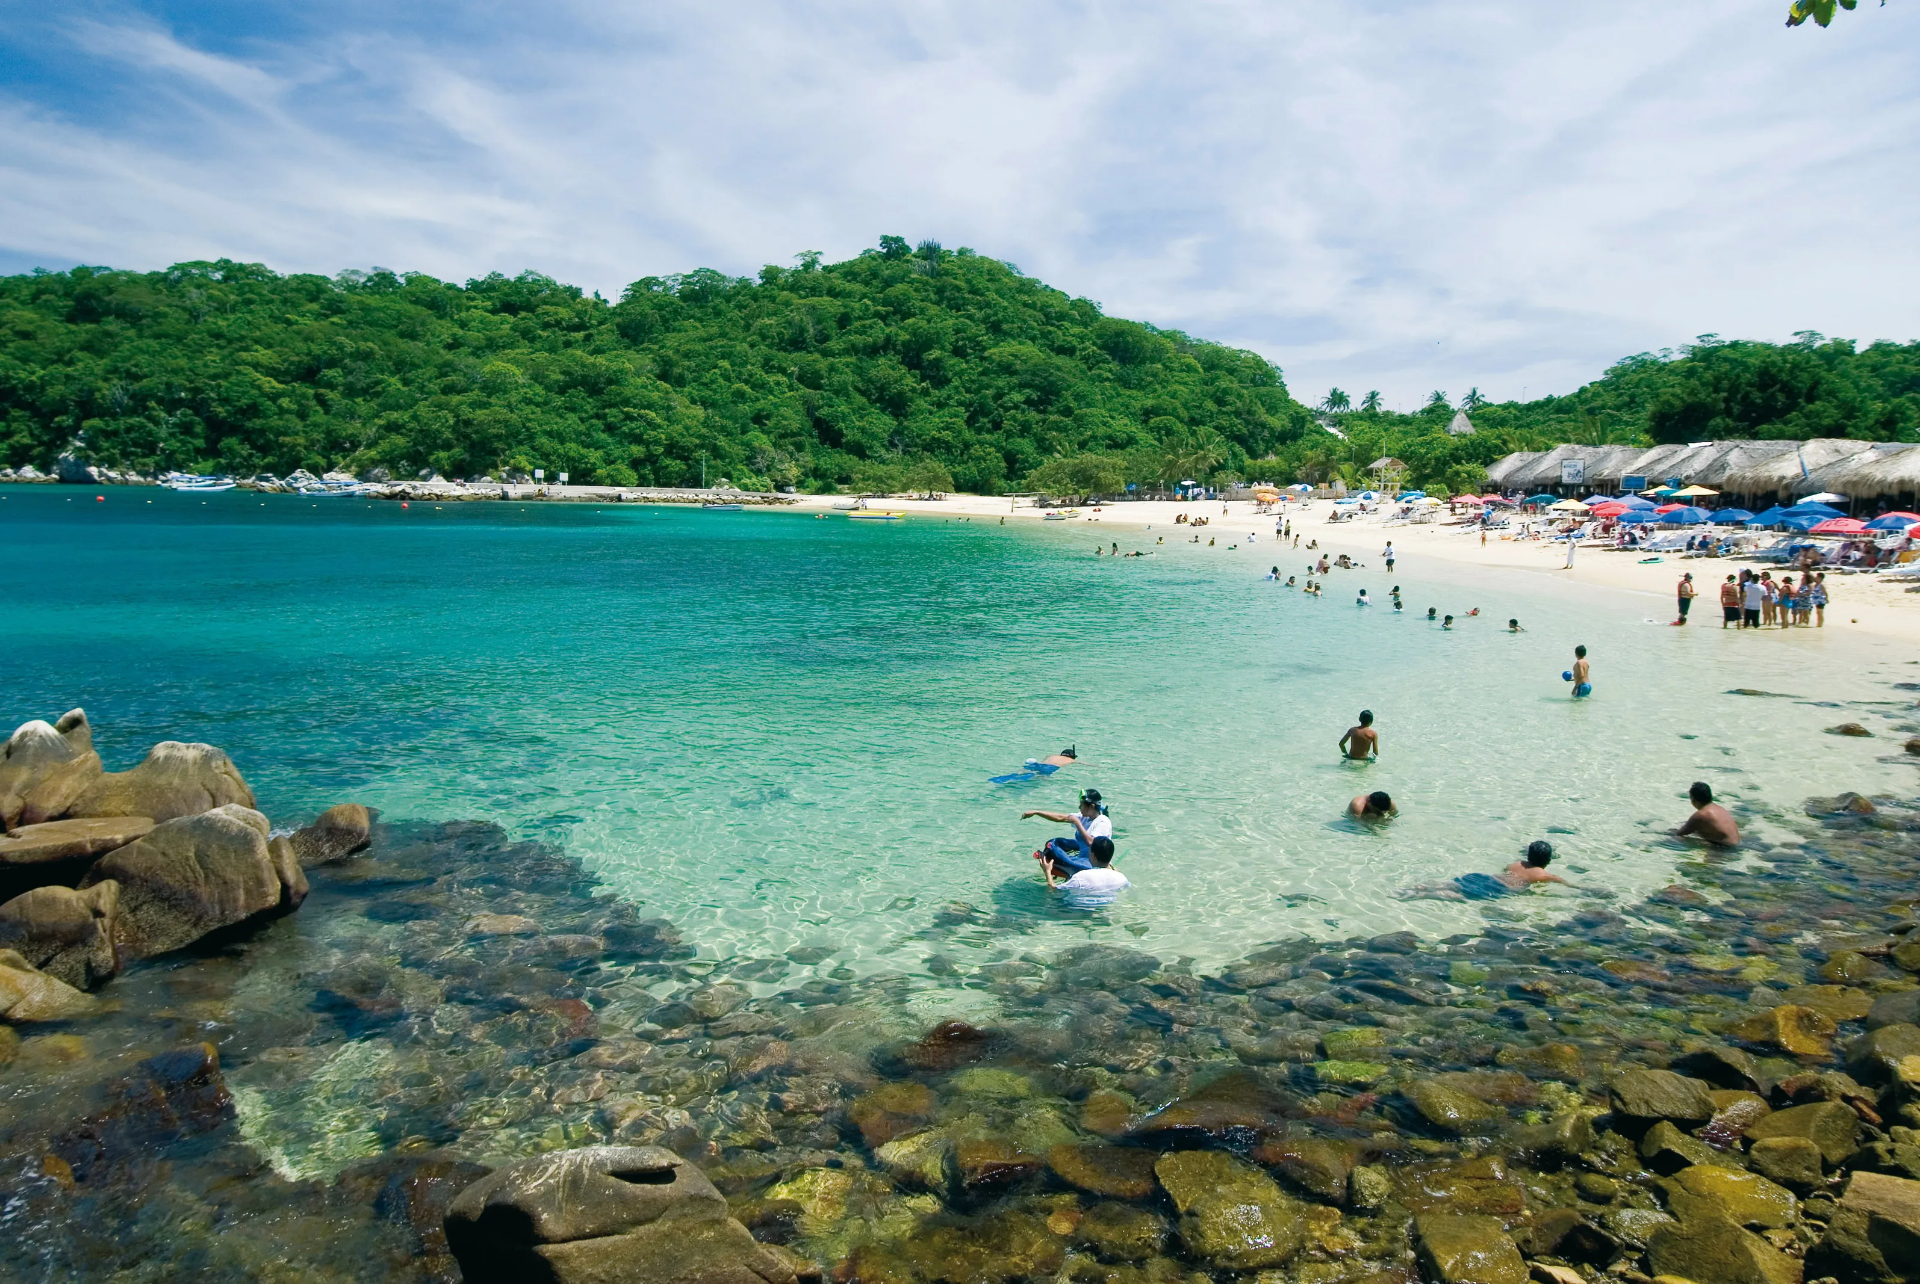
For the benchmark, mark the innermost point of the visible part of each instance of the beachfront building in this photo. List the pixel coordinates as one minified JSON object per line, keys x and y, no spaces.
{"x":1387,"y":473}
{"x":1871,"y":475}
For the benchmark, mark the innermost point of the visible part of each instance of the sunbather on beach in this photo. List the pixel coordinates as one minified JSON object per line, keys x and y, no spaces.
{"x":1710,"y":821}
{"x":1516,"y":878}
{"x":1374,"y":806}
{"x":1362,"y":742}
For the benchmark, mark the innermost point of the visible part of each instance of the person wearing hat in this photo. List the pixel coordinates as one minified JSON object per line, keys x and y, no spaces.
{"x":1074,"y":853}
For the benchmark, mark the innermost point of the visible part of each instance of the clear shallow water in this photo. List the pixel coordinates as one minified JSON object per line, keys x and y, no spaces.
{"x":777,"y":730}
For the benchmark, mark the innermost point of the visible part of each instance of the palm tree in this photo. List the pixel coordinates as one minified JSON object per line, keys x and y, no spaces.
{"x":1336,"y":400}
{"x":1438,"y":401}
{"x":1473,"y":400}
{"x":1371,"y":402}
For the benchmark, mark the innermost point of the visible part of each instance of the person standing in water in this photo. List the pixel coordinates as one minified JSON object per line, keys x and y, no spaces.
{"x":1361,"y":743}
{"x":1710,"y":820}
{"x":1075,"y":853}
{"x":1388,"y":555}
{"x":1686,"y":593}
{"x":1580,"y":673}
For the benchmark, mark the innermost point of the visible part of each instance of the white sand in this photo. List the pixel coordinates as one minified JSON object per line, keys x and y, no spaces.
{"x":1861,"y":604}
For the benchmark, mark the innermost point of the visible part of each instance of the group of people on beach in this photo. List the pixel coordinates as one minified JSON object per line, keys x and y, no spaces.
{"x":1750,"y":601}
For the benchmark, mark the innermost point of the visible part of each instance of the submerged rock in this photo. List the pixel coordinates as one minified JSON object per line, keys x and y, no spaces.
{"x":604,"y":1213}
{"x":195,"y":874}
{"x":44,"y":768}
{"x":1117,"y":1172}
{"x":67,"y":934}
{"x":1668,"y":1150}
{"x":1643,"y":1096}
{"x":1460,"y":1248}
{"x":1450,"y":1109}
{"x":1793,"y":1162}
{"x":1874,"y":1056}
{"x":1121,"y":1232}
{"x":1232,"y":1215}
{"x":168,"y":1098}
{"x":1235,"y":1105}
{"x":1798,"y":1031}
{"x":1316,"y":1165}
{"x":890,"y":1111}
{"x":175,"y":780}
{"x":947,"y":1046}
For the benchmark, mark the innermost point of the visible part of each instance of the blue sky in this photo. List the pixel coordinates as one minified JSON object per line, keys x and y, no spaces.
{"x":1403,"y":196}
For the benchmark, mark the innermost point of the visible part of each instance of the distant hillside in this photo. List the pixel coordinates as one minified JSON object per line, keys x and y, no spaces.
{"x":941,"y":367}
{"x":928,"y":367}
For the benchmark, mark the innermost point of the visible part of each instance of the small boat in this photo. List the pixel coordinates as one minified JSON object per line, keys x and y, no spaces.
{"x":723,"y":508}
{"x":196,"y":482}
{"x":1060,"y":515}
{"x":876,"y":517}
{"x":849,"y":505}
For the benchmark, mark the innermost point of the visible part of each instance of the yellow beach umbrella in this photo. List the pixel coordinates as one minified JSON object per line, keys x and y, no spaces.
{"x":1695,"y":491}
{"x":1568,"y":506}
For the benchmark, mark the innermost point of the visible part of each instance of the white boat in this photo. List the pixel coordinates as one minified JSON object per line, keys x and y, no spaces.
{"x":1060,"y":514}
{"x":722,"y":508}
{"x":849,"y":505}
{"x":196,"y":482}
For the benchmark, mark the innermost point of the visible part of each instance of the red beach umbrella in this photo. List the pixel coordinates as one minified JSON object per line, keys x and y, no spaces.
{"x":1668,"y":508}
{"x":1839,"y":526}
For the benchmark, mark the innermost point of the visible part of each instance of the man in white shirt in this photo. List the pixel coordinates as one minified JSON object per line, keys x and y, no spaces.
{"x":1754,"y":595}
{"x":1071,"y":855}
{"x":1097,"y":887}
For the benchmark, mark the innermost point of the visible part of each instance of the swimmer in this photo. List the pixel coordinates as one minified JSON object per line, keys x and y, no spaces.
{"x":1038,"y":767}
{"x":1361,"y":743}
{"x":1710,"y":820}
{"x":1513,"y":626}
{"x":1398,"y":605}
{"x":1274,"y":574}
{"x":1432,"y":612}
{"x":1447,"y":623}
{"x":1581,"y":686}
{"x":1373,"y":806}
{"x":1290,"y":581}
{"x":1475,"y":611}
{"x":1516,"y":878}
{"x":1362,"y":599}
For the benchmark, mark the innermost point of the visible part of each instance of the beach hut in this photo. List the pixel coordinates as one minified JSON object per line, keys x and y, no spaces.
{"x":1460,"y":425}
{"x":1387,"y":472}
{"x":1502,"y":472}
{"x":1775,"y":474}
{"x":1886,"y":468}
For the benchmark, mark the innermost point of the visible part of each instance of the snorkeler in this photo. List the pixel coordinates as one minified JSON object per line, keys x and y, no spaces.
{"x":1374,"y":806}
{"x":1362,"y":742}
{"x":1516,"y":878}
{"x":1074,"y":853}
{"x":1038,"y":767}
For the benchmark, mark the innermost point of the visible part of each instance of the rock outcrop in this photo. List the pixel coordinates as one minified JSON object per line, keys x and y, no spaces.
{"x":67,"y":934}
{"x":638,"y":1214}
{"x":175,"y":780}
{"x":195,"y":874}
{"x":28,"y":994}
{"x":1874,"y":1237}
{"x":45,"y":767}
{"x":336,"y":834}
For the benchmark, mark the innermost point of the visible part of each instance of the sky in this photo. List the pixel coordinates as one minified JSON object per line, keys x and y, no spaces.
{"x":1403,"y":196}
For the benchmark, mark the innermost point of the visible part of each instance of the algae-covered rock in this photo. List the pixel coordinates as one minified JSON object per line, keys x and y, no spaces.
{"x":991,"y":1162}
{"x":1460,"y":1248}
{"x":919,"y":1160}
{"x":1793,"y":1162}
{"x":1896,"y":1007}
{"x":1795,"y":1030}
{"x":1644,"y":1096}
{"x":1668,"y":1150}
{"x":1846,"y":965}
{"x":1717,"y":1250}
{"x":1369,"y":1188}
{"x":1834,"y":1002}
{"x":337,"y":833}
{"x":1236,"y":1105}
{"x":1874,"y":1237}
{"x":1232,"y":1215}
{"x":991,"y":1082}
{"x":1121,"y":1232}
{"x":1449,"y":1109}
{"x":174,"y":780}
{"x":1747,"y":1198}
{"x":1562,"y":1061}
{"x":891,"y":1110}
{"x":1352,"y":1045}
{"x":1597,"y":1188}
{"x":1558,"y":1140}
{"x":1316,"y":1165}
{"x":1567,"y":1234}
{"x":1873,"y":1057}
{"x":1011,"y":1245}
{"x":1831,"y":1126}
{"x":1478,"y":1185}
{"x":1350,"y":1073}
{"x":1118,"y":1172}
{"x":821,"y":1193}
{"x":1106,"y":1113}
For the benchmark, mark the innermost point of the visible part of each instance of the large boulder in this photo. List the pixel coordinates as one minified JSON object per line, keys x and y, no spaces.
{"x":1747,"y":1198}
{"x":195,"y":874}
{"x":1451,"y":1110}
{"x":27,"y":994}
{"x":175,"y":780}
{"x":600,"y":1215}
{"x":338,"y":833}
{"x":45,"y":767}
{"x":1460,"y":1248}
{"x":67,"y":934}
{"x":1830,"y":1125}
{"x":1874,"y":1056}
{"x":1874,"y":1237}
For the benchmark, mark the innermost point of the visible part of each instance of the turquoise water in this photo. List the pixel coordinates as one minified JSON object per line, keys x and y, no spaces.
{"x":777,"y":730}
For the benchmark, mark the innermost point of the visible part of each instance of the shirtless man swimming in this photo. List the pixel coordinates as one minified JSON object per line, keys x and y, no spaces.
{"x":1374,"y":806}
{"x":1361,"y":742}
{"x":1710,"y":820}
{"x":1515,"y":878}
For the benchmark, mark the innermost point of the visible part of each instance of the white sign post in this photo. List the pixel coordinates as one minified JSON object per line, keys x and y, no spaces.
{"x":563,"y":479}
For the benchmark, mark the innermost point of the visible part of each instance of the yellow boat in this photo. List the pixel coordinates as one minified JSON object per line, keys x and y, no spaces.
{"x":875,"y":517}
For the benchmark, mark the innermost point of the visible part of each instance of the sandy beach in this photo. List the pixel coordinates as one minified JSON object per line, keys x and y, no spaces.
{"x":1861,"y":603}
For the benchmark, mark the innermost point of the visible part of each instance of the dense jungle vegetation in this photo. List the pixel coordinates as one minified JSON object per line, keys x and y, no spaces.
{"x":923,"y":368}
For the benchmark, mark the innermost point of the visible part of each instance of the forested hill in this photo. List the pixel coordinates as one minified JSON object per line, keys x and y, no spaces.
{"x":897,"y":362}
{"x":925,"y":367}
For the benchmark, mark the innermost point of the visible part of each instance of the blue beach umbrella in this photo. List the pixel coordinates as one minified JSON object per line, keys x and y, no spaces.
{"x":1767,"y":517}
{"x":1732,"y":515}
{"x":1893,"y":522}
{"x":1638,"y":517}
{"x":1808,"y":506}
{"x":1541,"y":499}
{"x":1800,"y":521}
{"x":1685,"y":517}
{"x":1636,"y":501}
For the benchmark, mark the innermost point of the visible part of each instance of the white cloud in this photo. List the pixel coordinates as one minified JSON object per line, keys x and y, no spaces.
{"x":1401,"y":196}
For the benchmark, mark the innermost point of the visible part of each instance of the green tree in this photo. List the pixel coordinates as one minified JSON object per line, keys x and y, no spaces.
{"x":1335,"y":401}
{"x":1821,"y":11}
{"x":1370,"y":404}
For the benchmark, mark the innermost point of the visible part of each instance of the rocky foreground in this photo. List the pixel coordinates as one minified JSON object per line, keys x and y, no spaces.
{"x":462,"y":1059}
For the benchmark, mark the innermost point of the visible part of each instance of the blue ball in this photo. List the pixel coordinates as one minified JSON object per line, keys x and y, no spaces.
{"x":1567,"y":676}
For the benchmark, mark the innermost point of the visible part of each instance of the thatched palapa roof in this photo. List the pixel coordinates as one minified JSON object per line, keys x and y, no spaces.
{"x":1779,"y":474}
{"x":1884,"y":468}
